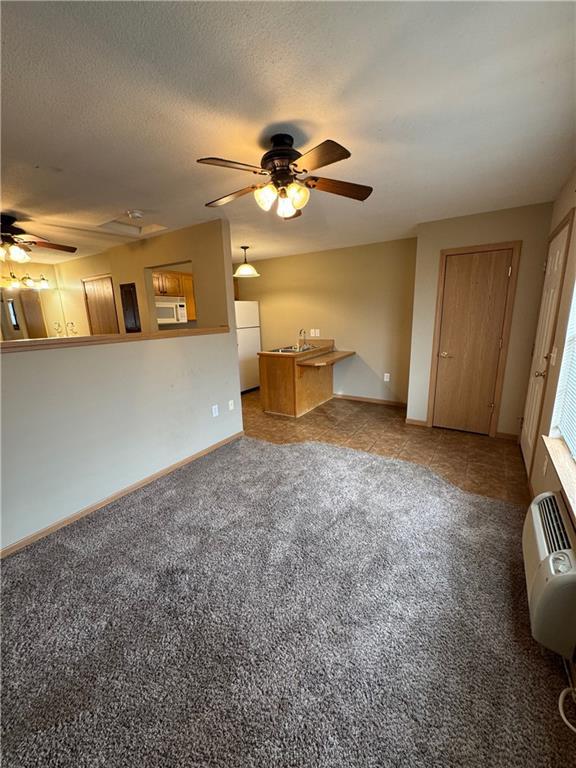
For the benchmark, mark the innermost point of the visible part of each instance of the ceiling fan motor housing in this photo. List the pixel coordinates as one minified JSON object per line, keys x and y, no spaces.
{"x":279,"y":159}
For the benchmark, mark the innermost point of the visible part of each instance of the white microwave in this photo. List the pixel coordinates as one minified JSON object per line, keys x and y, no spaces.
{"x":171,"y":310}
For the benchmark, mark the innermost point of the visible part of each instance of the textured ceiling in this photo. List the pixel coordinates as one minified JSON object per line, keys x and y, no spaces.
{"x":447,"y":108}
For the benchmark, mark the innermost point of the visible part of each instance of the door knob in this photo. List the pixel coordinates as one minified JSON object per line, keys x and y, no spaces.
{"x":445,"y":354}
{"x":540,"y":374}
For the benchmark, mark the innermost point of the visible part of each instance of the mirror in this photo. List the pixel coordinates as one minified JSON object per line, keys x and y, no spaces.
{"x":137,"y":287}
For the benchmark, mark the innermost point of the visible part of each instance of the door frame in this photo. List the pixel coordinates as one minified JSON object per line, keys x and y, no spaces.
{"x":89,"y":280}
{"x":567,"y":221}
{"x":516,"y":247}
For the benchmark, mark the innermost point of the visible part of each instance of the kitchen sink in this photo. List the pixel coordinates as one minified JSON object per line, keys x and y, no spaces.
{"x":303,"y":348}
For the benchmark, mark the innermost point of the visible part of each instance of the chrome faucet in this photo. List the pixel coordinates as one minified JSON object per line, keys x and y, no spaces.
{"x":301,"y":339}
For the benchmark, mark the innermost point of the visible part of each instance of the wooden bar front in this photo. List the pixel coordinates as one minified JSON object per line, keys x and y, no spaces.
{"x":293,"y":383}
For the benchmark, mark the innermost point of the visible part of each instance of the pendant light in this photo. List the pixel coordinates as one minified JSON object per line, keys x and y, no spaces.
{"x":245,"y":269}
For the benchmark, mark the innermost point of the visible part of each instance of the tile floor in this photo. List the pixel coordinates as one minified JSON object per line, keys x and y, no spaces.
{"x":485,"y":465}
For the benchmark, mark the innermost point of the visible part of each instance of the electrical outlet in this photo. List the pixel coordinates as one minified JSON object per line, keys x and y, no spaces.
{"x":230,"y":405}
{"x":215,"y":410}
{"x":318,"y":332}
{"x":386,"y":377}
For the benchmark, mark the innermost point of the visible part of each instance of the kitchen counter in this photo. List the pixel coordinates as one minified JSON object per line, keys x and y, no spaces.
{"x":293,"y":382}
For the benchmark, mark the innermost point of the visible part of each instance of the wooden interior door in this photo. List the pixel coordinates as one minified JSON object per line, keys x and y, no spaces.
{"x":100,"y":305}
{"x":32,"y":309}
{"x":555,"y":263}
{"x":474,"y":296}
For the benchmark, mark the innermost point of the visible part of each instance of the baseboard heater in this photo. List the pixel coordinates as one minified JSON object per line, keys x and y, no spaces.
{"x":549,"y":547}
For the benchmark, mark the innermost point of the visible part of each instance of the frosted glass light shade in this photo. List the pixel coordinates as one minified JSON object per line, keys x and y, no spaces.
{"x":246,"y":270}
{"x":298,"y":194}
{"x":265,"y":196}
{"x":285,"y":208}
{"x":18,"y":254}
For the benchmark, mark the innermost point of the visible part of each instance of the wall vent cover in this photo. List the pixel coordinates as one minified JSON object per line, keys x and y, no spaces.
{"x":553,"y":525}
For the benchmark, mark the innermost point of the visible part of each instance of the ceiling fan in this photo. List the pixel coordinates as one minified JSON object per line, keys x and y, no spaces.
{"x":281,"y":169}
{"x":16,"y":242}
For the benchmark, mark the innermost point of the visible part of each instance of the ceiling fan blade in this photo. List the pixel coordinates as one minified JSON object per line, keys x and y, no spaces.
{"x":233,"y":164}
{"x":231,"y":196}
{"x":344,"y":188}
{"x":53,"y":246}
{"x":324,"y":154}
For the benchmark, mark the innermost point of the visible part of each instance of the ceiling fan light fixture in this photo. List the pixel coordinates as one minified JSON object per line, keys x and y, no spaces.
{"x":285,"y":208}
{"x":245,"y":269}
{"x":18,"y":254}
{"x":266,"y":196}
{"x":298,"y":193}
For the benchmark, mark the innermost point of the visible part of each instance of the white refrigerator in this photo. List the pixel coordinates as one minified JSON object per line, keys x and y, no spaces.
{"x":248,"y":333}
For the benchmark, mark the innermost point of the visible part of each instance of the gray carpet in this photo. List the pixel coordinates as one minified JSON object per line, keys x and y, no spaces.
{"x":295,"y":606}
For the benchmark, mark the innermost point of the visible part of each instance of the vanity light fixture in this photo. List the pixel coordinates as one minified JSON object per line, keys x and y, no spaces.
{"x":245,"y":269}
{"x":14,"y":282}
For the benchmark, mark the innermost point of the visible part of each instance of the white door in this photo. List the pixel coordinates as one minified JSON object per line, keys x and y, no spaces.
{"x":247,"y":314}
{"x":248,"y":348}
{"x":543,"y":344}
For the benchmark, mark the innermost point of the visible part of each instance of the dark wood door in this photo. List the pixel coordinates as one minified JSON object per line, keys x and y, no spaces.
{"x":471,"y":337}
{"x":130,"y":307}
{"x":101,"y":306}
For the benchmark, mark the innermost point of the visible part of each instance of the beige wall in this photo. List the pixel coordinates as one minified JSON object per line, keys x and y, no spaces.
{"x":85,"y":422}
{"x":360,"y":296}
{"x":543,"y":477}
{"x":198,"y":245}
{"x":531,"y":225}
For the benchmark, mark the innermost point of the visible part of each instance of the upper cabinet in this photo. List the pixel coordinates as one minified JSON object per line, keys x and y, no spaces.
{"x":167,"y":283}
{"x":170,"y":283}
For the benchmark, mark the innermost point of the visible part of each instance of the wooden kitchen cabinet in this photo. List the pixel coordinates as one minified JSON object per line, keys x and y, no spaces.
{"x":187,"y":283}
{"x":170,"y":283}
{"x":167,"y":283}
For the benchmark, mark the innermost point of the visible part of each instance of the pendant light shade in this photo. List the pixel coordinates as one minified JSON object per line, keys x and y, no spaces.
{"x":245,"y":269}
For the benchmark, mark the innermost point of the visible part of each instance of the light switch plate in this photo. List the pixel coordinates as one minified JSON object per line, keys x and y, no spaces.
{"x":230,"y":405}
{"x":386,"y":377}
{"x":215,"y":410}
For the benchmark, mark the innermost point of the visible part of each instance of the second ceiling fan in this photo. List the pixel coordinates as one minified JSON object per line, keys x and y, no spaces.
{"x":281,"y":169}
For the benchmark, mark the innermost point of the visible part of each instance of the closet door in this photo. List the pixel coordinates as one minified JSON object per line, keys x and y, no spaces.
{"x":474,"y":299}
{"x":100,"y":305}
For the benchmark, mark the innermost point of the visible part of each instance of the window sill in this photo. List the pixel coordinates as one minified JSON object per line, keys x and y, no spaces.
{"x":27,"y":345}
{"x":565,"y":468}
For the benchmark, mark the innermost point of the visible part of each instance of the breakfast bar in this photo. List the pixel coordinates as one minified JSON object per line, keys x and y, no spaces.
{"x":295,"y":380}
